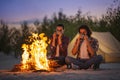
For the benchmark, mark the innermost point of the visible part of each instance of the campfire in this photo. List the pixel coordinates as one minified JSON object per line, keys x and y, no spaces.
{"x":34,"y":55}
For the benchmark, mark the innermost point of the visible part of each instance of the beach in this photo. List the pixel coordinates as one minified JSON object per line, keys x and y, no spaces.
{"x":107,"y":71}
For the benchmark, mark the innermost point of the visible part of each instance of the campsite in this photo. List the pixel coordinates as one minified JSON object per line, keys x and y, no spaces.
{"x":108,"y":68}
{"x":36,"y":35}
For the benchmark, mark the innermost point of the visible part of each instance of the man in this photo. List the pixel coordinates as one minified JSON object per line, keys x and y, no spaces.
{"x":85,"y":48}
{"x":59,"y":45}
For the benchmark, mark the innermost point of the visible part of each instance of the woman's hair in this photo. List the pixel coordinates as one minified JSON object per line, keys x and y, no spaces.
{"x":86,"y":28}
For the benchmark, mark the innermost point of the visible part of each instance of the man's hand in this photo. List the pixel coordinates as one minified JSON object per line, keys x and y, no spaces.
{"x":86,"y":37}
{"x":80,"y":38}
{"x":54,"y":37}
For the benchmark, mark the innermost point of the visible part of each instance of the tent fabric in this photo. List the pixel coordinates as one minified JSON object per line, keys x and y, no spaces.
{"x":109,"y":46}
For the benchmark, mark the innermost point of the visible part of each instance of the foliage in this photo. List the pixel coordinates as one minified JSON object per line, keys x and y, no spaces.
{"x":112,"y":18}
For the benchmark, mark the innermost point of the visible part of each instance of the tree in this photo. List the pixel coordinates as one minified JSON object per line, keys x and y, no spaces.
{"x":112,"y":18}
{"x":4,"y":38}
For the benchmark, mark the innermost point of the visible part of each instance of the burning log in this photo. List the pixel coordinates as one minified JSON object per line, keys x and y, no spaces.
{"x":53,"y":65}
{"x":21,"y":67}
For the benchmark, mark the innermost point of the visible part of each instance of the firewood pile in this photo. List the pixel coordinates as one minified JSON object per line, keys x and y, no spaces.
{"x":53,"y":66}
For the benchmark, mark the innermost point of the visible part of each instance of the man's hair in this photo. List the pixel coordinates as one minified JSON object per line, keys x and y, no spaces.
{"x":60,"y":25}
{"x":86,"y":28}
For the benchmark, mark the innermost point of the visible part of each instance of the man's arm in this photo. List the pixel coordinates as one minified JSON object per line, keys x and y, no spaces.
{"x":53,"y":45}
{"x":63,"y":46}
{"x":92,"y":47}
{"x":76,"y":46}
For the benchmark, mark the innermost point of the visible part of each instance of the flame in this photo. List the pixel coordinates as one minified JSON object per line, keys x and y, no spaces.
{"x":34,"y":55}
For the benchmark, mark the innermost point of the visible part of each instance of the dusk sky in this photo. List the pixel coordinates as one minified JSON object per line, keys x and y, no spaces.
{"x":19,"y":10}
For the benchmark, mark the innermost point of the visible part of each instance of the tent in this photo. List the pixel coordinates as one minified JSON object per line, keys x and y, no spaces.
{"x":109,"y":46}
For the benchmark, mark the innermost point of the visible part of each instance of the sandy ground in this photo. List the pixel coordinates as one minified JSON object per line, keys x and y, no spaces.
{"x":107,"y":71}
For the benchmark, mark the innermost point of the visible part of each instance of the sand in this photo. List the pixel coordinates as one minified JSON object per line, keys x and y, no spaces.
{"x":107,"y":71}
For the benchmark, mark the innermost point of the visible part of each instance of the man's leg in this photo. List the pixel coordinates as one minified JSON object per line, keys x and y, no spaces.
{"x":70,"y":60}
{"x":96,"y":60}
{"x":61,"y":60}
{"x":97,"y":63}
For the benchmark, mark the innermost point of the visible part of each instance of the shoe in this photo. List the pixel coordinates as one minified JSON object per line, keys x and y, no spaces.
{"x":69,"y":66}
{"x":75,"y":67}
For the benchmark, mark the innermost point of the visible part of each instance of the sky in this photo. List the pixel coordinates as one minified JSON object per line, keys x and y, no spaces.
{"x":19,"y":10}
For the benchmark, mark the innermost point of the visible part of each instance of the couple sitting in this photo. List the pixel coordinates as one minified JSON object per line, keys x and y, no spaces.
{"x":84,"y":48}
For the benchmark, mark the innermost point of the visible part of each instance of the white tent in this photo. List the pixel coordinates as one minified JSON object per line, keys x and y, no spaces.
{"x":109,"y":47}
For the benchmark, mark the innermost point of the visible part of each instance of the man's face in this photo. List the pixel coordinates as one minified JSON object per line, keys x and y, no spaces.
{"x":59,"y":30}
{"x":83,"y":31}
